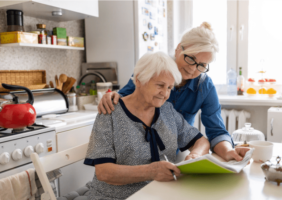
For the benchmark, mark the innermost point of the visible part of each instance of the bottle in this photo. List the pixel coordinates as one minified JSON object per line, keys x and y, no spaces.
{"x":78,"y":90}
{"x":42,"y":38}
{"x":83,"y":89}
{"x":231,"y":82}
{"x":240,"y":83}
{"x":93,"y":88}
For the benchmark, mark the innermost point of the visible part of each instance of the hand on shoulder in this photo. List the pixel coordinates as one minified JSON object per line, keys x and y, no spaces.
{"x":106,"y":103}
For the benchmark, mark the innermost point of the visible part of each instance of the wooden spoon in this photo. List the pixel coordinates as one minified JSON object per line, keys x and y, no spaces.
{"x":51,"y":84}
{"x":65,"y":85}
{"x":69,"y":86}
{"x":63,"y":78}
{"x":57,"y":81}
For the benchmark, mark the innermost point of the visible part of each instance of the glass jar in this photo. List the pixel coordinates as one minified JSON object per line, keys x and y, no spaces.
{"x":104,"y":87}
{"x":247,"y":134}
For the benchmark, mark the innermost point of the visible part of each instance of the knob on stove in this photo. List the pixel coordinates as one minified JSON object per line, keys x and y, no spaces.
{"x":39,"y":148}
{"x":28,"y":151}
{"x":4,"y":158}
{"x":17,"y":154}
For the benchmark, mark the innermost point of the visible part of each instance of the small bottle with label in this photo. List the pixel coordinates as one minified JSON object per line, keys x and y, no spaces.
{"x":83,"y":90}
{"x":93,"y":88}
{"x":42,"y":37}
{"x":240,"y":83}
{"x":78,"y":90}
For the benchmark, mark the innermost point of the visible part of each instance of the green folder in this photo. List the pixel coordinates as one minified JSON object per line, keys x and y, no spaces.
{"x":209,"y":164}
{"x":203,"y":167}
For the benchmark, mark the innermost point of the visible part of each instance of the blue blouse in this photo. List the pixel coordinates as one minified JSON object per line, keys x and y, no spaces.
{"x":196,"y":94}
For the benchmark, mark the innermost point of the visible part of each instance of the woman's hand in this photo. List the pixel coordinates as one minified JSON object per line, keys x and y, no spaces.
{"x":238,"y":153}
{"x":200,"y":148}
{"x":106,"y":106}
{"x":192,"y":156}
{"x":161,"y":171}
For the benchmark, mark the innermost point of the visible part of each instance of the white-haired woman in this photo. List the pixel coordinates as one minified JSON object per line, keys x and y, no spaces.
{"x":196,"y":91}
{"x":128,"y":146}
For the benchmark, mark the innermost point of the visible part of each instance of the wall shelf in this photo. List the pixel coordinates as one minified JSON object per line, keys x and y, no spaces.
{"x":41,"y":46}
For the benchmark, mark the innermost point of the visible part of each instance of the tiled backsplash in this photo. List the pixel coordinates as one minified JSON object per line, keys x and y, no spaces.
{"x":54,"y":61}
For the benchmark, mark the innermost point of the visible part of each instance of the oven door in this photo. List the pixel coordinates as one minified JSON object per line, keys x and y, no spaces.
{"x":11,"y":172}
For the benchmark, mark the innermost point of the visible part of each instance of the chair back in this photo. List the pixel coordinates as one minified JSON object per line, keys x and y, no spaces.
{"x":51,"y":162}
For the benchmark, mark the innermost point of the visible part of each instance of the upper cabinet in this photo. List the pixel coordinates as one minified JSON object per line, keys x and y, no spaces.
{"x":71,"y":10}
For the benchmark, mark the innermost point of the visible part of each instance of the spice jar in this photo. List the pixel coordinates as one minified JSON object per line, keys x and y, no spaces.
{"x":42,"y":38}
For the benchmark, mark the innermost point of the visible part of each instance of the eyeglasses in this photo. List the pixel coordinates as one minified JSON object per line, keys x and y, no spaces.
{"x":190,"y":61}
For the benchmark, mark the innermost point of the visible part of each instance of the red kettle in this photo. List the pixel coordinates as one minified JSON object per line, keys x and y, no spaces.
{"x":14,"y":114}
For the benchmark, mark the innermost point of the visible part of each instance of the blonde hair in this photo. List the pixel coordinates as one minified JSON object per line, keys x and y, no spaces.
{"x":152,"y":64}
{"x":200,"y":39}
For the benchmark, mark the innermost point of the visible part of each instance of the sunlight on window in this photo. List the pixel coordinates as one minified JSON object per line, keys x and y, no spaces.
{"x":265,"y":38}
{"x":215,"y":13}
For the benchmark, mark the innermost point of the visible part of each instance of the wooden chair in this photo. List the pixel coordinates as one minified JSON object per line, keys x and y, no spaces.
{"x":49,"y":163}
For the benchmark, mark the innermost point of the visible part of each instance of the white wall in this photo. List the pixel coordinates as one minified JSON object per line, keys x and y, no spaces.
{"x":110,"y":38}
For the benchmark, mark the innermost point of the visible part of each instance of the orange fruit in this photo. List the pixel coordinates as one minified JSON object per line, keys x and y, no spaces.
{"x":251,"y":91}
{"x":262,"y":91}
{"x":271,"y":91}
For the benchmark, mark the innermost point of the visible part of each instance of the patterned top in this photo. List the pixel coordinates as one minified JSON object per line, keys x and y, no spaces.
{"x":120,"y":138}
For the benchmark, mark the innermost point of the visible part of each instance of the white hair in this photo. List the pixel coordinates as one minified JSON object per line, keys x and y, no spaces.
{"x":200,"y":39}
{"x":152,"y":64}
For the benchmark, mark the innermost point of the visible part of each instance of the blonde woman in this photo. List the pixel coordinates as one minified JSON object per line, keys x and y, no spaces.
{"x":196,"y":91}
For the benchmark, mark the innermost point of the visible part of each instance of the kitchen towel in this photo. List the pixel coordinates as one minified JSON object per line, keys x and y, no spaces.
{"x":20,"y":186}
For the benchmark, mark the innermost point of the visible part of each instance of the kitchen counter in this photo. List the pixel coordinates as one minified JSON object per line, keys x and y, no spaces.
{"x":249,"y":101}
{"x":249,"y":184}
{"x":69,"y":120}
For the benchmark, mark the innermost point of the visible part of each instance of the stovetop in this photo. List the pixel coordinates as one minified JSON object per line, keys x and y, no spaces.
{"x":9,"y":132}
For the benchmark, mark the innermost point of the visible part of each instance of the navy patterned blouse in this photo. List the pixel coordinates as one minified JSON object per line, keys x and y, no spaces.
{"x":122,"y":138}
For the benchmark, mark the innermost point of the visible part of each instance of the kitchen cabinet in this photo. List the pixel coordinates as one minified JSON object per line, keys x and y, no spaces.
{"x":71,"y":10}
{"x":76,"y":175}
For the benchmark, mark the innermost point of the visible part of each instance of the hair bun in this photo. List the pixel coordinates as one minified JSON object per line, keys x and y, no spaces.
{"x":206,"y":25}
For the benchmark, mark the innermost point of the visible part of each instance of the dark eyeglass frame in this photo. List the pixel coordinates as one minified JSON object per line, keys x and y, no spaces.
{"x":195,"y":63}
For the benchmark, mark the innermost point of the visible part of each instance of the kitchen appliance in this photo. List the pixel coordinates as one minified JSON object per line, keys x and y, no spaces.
{"x":274,"y":125}
{"x":16,"y":114}
{"x":247,"y":134}
{"x":72,"y":129}
{"x":46,"y":101}
{"x":133,"y":28}
{"x":58,"y":131}
{"x":100,"y":72}
{"x":16,"y":147}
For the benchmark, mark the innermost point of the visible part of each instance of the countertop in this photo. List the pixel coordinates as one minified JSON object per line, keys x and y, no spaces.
{"x":248,"y":184}
{"x":69,"y":120}
{"x":249,"y":101}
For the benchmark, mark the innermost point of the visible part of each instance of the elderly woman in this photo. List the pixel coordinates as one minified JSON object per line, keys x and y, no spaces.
{"x":193,"y":54}
{"x":128,"y":146}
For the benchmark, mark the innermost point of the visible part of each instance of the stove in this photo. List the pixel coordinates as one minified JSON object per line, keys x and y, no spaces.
{"x":16,"y":146}
{"x":8,"y":132}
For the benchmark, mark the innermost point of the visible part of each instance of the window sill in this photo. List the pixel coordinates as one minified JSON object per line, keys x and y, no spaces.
{"x":249,"y":101}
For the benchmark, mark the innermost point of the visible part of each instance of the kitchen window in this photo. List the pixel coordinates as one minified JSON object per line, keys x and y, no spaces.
{"x":249,"y":34}
{"x":218,"y":21}
{"x":264,"y":38}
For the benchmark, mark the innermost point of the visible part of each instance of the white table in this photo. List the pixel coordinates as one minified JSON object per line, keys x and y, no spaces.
{"x":249,"y":184}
